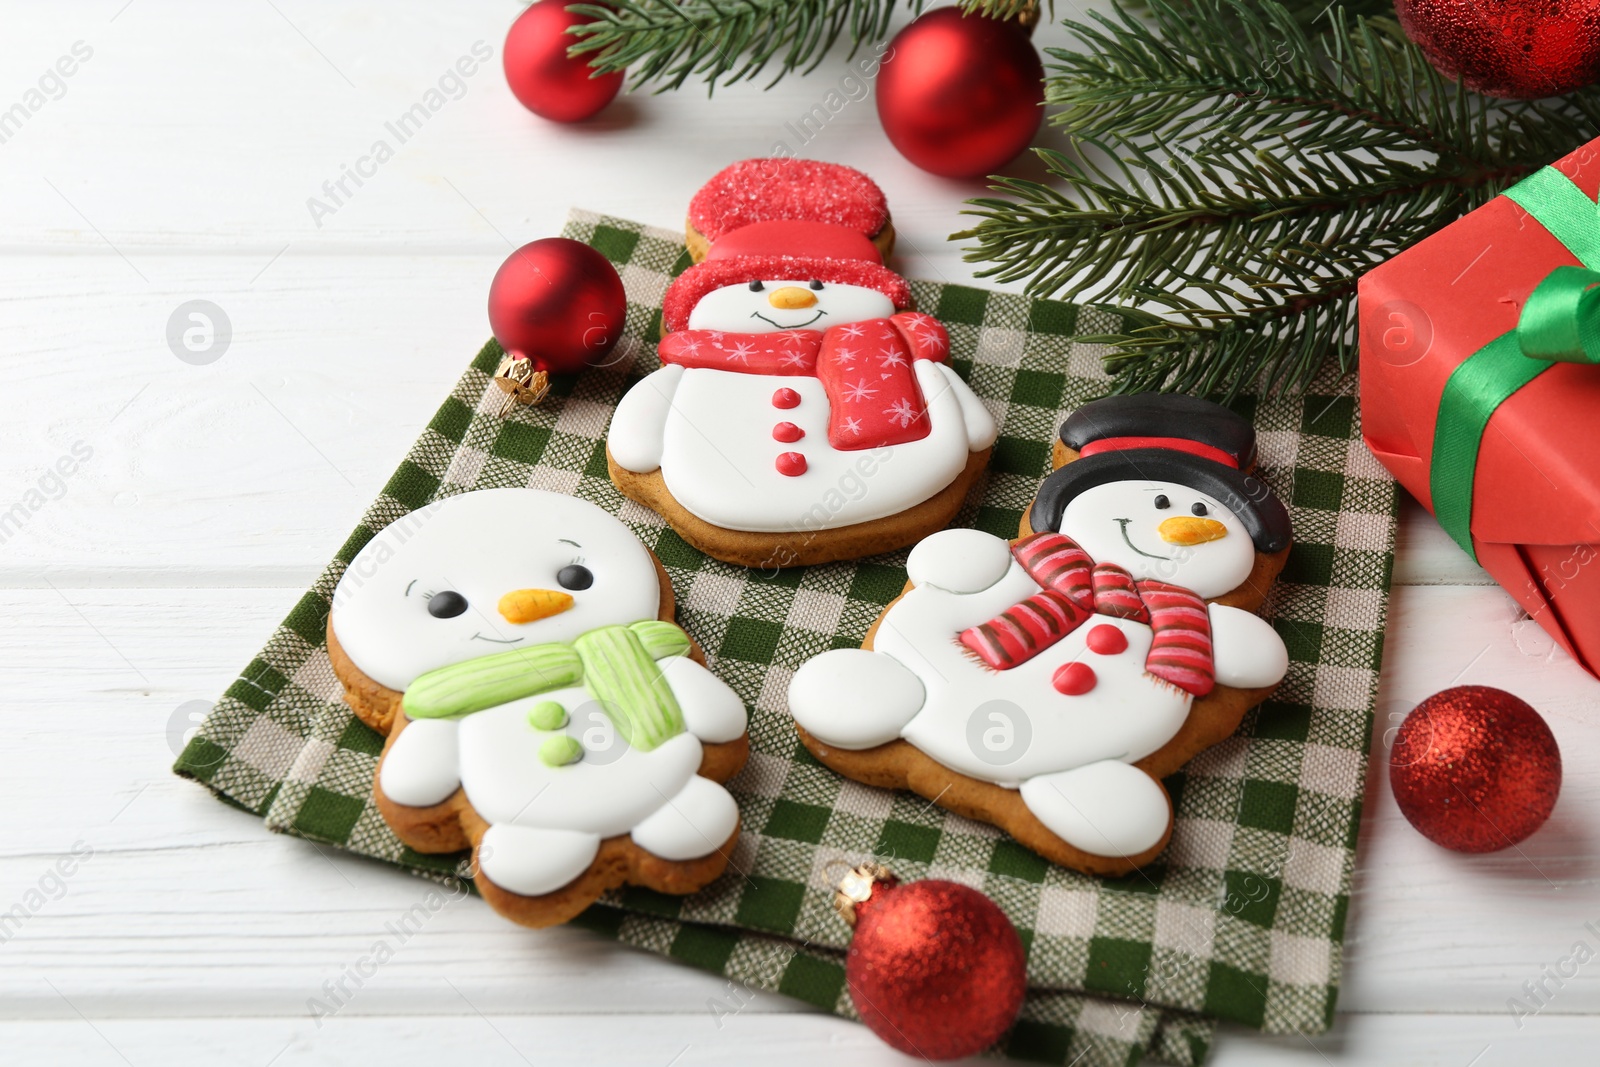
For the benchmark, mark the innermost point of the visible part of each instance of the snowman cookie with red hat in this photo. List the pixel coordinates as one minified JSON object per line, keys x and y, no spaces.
{"x":1045,"y":685}
{"x":803,"y":411}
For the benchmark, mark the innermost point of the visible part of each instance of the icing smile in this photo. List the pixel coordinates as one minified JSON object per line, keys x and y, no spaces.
{"x":788,"y":326}
{"x":1129,"y":541}
{"x":496,"y":640}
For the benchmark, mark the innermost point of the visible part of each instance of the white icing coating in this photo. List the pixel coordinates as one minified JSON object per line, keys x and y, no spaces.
{"x":718,"y":455}
{"x":695,"y":823}
{"x":545,"y":822}
{"x":1249,"y":652}
{"x":639,"y":425}
{"x":533,"y":861}
{"x":1108,"y":808}
{"x":959,"y":561}
{"x":981,"y":427}
{"x":711,"y":711}
{"x":1071,"y":756}
{"x":853,"y":699}
{"x":609,"y":791}
{"x":423,"y":766}
{"x":1118,"y":523}
{"x":739,"y":309}
{"x":483,"y":545}
{"x":1127,"y":715}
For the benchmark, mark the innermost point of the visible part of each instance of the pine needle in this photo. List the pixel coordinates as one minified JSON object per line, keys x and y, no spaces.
{"x":668,"y":42}
{"x":1225,"y":190}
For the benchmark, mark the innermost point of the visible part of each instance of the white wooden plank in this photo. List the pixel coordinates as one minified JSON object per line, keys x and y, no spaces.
{"x":1436,"y":930}
{"x":487,"y":1041}
{"x":781,"y":1040}
{"x":251,"y":468}
{"x":1443,"y":1040}
{"x":308,"y":88}
{"x":1425,"y":554}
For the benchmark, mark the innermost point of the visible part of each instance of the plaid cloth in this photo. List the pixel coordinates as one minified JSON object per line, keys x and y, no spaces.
{"x":1242,"y":918}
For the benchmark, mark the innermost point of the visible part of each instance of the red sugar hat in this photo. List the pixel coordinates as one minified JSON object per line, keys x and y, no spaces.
{"x":687,"y":289}
{"x":761,"y":190}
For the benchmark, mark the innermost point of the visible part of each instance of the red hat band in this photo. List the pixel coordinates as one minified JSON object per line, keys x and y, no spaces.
{"x":801,"y":238}
{"x":1176,"y":444}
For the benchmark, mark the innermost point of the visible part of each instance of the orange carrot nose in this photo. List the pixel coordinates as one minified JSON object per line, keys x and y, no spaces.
{"x":791,"y":298}
{"x":1183,"y":530}
{"x":530,"y":605}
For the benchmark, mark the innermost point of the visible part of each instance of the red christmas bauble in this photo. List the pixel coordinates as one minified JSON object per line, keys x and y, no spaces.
{"x":1521,"y":49}
{"x":960,"y":95}
{"x":546,"y":80}
{"x":558,"y":303}
{"x":935,"y":969}
{"x":1475,"y":769}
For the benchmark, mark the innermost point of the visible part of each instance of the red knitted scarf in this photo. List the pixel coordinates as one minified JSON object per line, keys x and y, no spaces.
{"x":865,"y":368}
{"x":1076,"y":587}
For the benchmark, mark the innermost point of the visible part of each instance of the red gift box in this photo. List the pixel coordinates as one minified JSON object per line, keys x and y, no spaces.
{"x":1441,"y":320}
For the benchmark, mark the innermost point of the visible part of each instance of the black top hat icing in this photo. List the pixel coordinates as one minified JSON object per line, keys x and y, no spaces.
{"x":1170,"y":438}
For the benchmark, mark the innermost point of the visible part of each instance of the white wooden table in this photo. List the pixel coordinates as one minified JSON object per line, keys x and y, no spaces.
{"x":175,"y":164}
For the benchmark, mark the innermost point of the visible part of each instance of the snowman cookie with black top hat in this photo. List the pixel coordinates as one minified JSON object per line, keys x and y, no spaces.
{"x":803,"y":411}
{"x":516,"y":648}
{"x":1045,"y":685}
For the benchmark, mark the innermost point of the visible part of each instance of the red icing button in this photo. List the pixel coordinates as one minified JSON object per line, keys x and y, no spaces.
{"x":1075,"y":679}
{"x":787,"y":432}
{"x":791,"y":464}
{"x":1107,"y":640}
{"x":785,"y":398}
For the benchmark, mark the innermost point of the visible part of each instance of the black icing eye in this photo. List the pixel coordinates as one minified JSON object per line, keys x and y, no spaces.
{"x":816,"y":284}
{"x":756,"y":287}
{"x":575,"y":576}
{"x":1199,"y":509}
{"x":1161,"y":502}
{"x":446,"y":605}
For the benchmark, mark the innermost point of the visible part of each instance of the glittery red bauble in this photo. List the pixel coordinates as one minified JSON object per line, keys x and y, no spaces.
{"x":935,"y":968}
{"x":1475,"y":769}
{"x":557,"y":302}
{"x":960,"y":95}
{"x":543,"y":77}
{"x":1515,"y":48}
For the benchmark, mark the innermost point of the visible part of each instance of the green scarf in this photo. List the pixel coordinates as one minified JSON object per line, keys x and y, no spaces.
{"x":617,"y":664}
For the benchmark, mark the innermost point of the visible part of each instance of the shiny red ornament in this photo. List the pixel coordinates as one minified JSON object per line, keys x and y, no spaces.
{"x":935,"y":968}
{"x":546,"y":80}
{"x":1475,"y":769}
{"x":558,"y":303}
{"x":1522,"y":49}
{"x":960,"y":95}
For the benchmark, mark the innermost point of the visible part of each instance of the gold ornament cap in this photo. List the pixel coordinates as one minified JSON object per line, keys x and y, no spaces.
{"x":856,"y":888}
{"x":520,"y":382}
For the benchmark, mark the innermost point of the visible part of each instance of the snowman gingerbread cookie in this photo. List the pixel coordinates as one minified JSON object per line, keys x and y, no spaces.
{"x":803,"y":411}
{"x":516,"y":648}
{"x":1047,"y":684}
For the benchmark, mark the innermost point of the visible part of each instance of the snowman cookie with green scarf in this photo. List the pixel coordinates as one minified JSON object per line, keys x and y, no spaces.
{"x":516,"y":648}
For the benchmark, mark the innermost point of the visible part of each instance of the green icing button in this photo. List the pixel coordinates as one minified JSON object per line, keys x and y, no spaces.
{"x":560,"y":750}
{"x":547,"y":715}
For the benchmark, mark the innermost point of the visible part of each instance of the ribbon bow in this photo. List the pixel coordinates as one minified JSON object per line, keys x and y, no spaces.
{"x":1560,"y":323}
{"x":1561,"y":320}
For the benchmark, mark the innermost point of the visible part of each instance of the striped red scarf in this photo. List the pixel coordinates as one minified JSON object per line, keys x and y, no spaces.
{"x":1076,"y":587}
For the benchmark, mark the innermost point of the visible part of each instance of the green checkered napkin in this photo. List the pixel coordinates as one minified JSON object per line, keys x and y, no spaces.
{"x":1241,"y":919}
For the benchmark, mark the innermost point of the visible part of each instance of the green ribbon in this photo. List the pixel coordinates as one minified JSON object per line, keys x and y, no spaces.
{"x":1560,"y":322}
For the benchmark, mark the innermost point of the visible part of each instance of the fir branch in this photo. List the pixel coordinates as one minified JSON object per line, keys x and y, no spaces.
{"x":1232,"y":186}
{"x":667,"y":42}
{"x":1026,"y":10}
